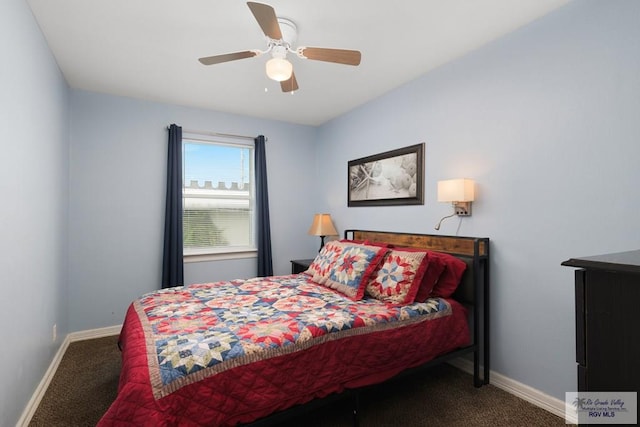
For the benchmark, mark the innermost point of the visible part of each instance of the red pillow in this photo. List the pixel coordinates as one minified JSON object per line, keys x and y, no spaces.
{"x":450,"y":278}
{"x":434,"y":270}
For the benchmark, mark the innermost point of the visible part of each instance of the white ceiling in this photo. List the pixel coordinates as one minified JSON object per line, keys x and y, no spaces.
{"x":148,"y":49}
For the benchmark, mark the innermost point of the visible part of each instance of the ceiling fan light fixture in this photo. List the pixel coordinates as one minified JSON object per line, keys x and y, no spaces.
{"x":279,"y":69}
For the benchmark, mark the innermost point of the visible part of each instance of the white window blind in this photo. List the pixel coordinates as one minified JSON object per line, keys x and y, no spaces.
{"x":218,"y":197}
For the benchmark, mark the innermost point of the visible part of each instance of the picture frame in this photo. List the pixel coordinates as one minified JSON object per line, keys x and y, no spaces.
{"x":391,"y":178}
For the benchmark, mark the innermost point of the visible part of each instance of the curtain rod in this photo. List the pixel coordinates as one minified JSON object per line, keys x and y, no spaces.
{"x":223,"y":135}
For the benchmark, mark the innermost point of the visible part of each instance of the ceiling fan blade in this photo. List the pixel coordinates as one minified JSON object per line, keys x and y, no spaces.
{"x":266,"y":17}
{"x":217,"y":59}
{"x":289,"y":85}
{"x":339,"y":56}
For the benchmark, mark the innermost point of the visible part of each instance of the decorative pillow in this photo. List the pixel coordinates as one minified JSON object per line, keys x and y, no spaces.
{"x":398,"y":276}
{"x":325,"y":259}
{"x":434,"y":270}
{"x":346,"y":266}
{"x":450,"y":278}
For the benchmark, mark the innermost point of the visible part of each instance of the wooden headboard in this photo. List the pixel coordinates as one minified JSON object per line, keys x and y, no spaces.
{"x":473,"y":290}
{"x":450,"y":244}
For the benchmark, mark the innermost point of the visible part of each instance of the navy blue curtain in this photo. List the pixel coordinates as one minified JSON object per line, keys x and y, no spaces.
{"x":172,"y":262}
{"x":265,"y":261}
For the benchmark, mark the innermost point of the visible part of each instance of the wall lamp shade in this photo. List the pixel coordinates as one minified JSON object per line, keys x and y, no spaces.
{"x":279,"y":69}
{"x":460,"y":193}
{"x":456,"y":190}
{"x":322,"y":226}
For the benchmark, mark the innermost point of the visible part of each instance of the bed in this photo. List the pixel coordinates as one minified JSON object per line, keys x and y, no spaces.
{"x":371,"y":306}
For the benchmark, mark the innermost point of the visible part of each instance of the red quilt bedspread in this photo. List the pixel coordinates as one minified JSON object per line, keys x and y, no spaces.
{"x":232,"y":352}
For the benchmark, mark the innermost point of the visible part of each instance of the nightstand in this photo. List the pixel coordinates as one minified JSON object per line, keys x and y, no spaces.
{"x":300,"y":265}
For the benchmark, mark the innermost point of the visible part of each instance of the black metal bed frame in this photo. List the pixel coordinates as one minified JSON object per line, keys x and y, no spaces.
{"x":473,"y":292}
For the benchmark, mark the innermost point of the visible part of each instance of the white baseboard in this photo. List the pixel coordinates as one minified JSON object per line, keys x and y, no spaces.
{"x":38,"y":394}
{"x":33,"y":403}
{"x":95,"y":333}
{"x":523,"y":391}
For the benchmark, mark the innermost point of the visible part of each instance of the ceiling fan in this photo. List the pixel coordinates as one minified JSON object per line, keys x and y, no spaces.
{"x":281,"y":33}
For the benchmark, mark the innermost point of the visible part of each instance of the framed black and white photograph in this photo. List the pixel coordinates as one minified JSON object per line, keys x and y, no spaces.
{"x":391,"y":178}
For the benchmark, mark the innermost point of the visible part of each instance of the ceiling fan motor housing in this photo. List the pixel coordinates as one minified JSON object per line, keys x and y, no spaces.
{"x":289,"y":32}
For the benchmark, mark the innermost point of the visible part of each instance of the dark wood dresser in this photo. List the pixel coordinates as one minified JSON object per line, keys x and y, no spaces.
{"x":608,"y":321}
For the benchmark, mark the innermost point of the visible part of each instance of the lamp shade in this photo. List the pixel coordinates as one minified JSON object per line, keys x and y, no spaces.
{"x":456,"y":190}
{"x":279,"y":69}
{"x":322,"y":226}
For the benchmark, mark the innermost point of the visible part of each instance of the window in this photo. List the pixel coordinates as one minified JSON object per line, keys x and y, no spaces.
{"x":217,"y":197}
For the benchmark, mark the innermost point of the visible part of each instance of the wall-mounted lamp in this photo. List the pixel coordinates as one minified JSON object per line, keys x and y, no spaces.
{"x":460,"y":193}
{"x":322,"y":226}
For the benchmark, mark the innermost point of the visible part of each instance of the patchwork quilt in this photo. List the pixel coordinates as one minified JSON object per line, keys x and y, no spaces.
{"x":232,"y":352}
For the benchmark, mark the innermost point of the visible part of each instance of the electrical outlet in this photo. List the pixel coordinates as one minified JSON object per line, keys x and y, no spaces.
{"x":55,"y":332}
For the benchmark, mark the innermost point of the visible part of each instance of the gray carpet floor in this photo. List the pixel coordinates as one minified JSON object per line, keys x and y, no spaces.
{"x":86,"y":383}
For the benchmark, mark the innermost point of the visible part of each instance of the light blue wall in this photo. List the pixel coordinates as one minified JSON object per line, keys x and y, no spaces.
{"x":117,"y":192}
{"x":546,"y":121}
{"x":33,"y":212}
